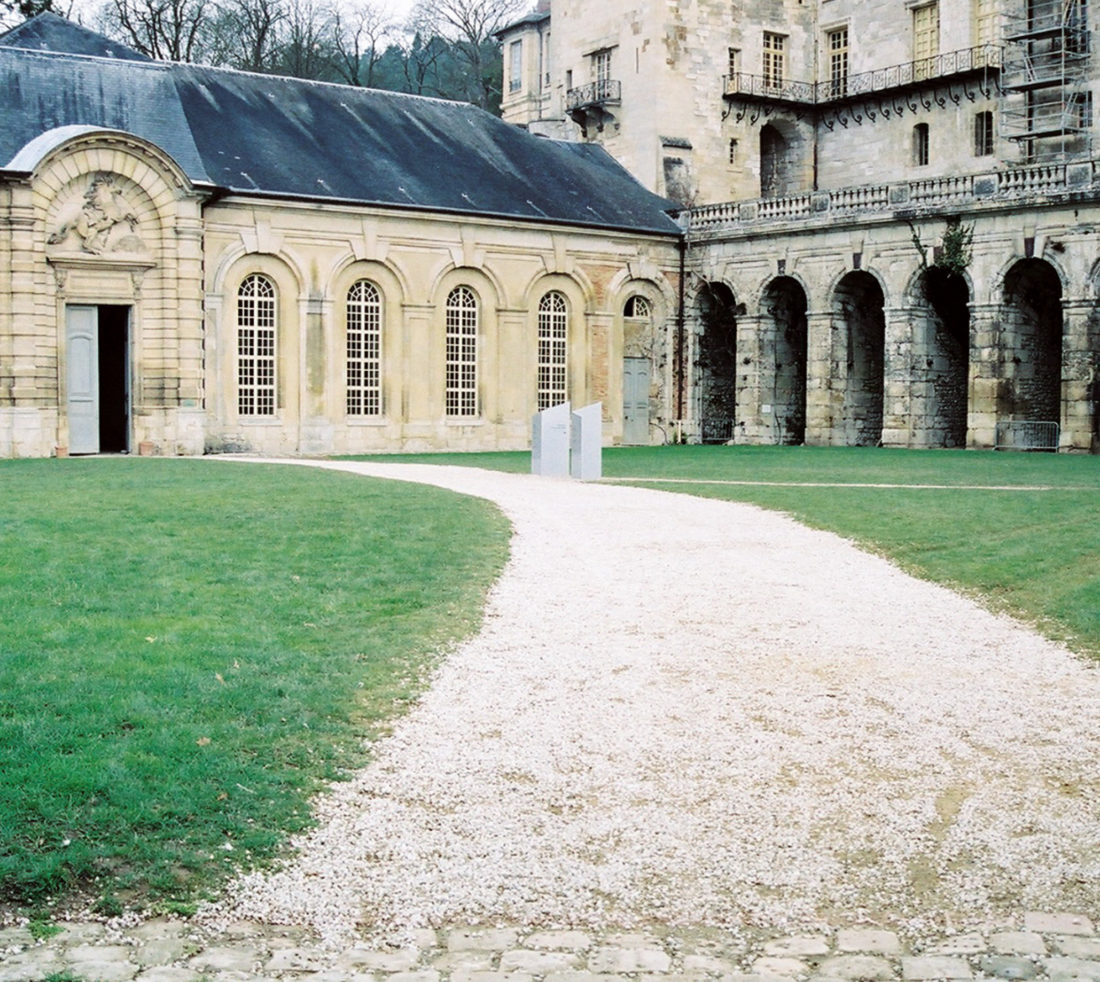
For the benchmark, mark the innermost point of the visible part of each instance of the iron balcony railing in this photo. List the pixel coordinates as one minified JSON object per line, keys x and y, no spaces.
{"x":598,"y":93}
{"x":966,"y":60}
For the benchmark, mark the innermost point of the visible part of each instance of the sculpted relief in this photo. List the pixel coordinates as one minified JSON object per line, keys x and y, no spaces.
{"x":102,"y":223}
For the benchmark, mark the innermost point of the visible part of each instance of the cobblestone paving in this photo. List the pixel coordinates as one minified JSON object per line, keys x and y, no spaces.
{"x":1059,"y":947}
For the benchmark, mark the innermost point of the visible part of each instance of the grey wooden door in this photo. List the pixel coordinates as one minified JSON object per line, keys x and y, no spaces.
{"x":82,"y":377}
{"x":636,"y":401}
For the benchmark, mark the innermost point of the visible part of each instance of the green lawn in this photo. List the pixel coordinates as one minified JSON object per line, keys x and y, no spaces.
{"x":190,"y":648}
{"x":1035,"y":553}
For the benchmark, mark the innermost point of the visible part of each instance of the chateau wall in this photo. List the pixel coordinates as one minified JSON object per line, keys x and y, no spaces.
{"x":1028,"y":315}
{"x":314,"y":254}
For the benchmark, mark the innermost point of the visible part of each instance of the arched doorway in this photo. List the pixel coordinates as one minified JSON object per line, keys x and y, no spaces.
{"x":858,"y":312}
{"x":784,"y":309}
{"x":716,"y":363}
{"x":941,"y":358}
{"x":1031,"y":329}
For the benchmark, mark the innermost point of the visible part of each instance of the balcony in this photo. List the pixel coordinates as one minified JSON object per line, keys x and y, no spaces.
{"x":591,"y":105}
{"x":904,"y":199}
{"x":607,"y":91}
{"x":911,"y":74}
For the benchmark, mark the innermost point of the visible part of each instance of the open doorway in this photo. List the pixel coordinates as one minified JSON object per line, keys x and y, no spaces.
{"x":98,"y":378}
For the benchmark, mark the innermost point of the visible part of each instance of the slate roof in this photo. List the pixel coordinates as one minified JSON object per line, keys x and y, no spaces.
{"x":49,"y":32}
{"x":274,"y":136}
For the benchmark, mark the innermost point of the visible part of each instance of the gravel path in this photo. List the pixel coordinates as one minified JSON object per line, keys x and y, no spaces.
{"x":691,"y":712}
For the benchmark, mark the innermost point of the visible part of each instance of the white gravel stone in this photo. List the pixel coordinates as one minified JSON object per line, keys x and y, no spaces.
{"x":691,"y":712}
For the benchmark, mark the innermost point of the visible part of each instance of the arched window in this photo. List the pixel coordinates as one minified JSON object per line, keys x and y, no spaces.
{"x":256,"y":347}
{"x":636,"y":306}
{"x":553,"y":341}
{"x":364,"y":350}
{"x":461,"y":330}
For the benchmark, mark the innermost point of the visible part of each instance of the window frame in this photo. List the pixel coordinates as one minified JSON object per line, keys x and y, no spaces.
{"x":773,"y":59}
{"x":552,"y":384}
{"x":256,"y":354}
{"x":921,"y":145}
{"x":363,"y":362}
{"x":462,"y":320}
{"x":983,"y":133}
{"x":515,"y":65}
{"x":837,"y":50}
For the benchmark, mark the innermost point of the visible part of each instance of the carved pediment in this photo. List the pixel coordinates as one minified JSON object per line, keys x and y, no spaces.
{"x":103,"y":223}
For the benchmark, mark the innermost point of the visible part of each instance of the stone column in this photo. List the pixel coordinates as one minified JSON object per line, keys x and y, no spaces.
{"x":1080,"y":325}
{"x":986,"y":377}
{"x":826,"y":374}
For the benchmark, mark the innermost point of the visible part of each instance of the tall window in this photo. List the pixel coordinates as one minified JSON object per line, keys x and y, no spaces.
{"x":983,"y":134}
{"x":515,"y":66}
{"x":601,"y":66}
{"x":256,"y":347}
{"x":985,"y":22}
{"x":926,"y":39}
{"x":920,"y":144}
{"x":774,"y":59}
{"x":553,"y":339}
{"x":838,"y":62}
{"x":461,"y":330}
{"x":364,"y":350}
{"x":734,"y":55}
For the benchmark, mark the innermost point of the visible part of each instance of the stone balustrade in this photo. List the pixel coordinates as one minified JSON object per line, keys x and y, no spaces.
{"x":906,"y":198}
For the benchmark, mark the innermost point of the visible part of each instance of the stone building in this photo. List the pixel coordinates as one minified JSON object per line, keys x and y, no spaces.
{"x":891,"y":208}
{"x":197,"y":259}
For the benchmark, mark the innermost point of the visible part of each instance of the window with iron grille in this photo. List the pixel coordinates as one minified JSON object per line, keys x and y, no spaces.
{"x":461,"y":331}
{"x":838,"y":61}
{"x":553,"y":342}
{"x":983,"y":134}
{"x":363,"y":364}
{"x":636,"y":306}
{"x":774,"y":59}
{"x":256,"y":347}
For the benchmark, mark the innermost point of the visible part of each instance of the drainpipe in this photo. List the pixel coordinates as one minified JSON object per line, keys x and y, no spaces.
{"x":680,"y":331}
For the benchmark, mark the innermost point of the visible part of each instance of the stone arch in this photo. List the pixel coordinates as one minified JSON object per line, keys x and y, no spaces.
{"x":491,"y":290}
{"x":714,"y":378}
{"x":1031,"y":333}
{"x":392,"y":289}
{"x":289,"y":291}
{"x":940,"y":359}
{"x":485,"y":289}
{"x":577,"y":312}
{"x":783,"y":349}
{"x":858,"y":310}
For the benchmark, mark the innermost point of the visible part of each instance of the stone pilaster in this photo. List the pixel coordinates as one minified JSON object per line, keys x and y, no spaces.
{"x":905,"y":390}
{"x":1080,"y":364}
{"x":826,"y":375}
{"x":984,"y":394}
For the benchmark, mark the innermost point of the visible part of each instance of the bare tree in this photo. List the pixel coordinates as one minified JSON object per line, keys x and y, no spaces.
{"x":168,"y":30}
{"x":359,"y":34}
{"x":245,"y":34}
{"x":469,"y":25}
{"x":306,"y":50}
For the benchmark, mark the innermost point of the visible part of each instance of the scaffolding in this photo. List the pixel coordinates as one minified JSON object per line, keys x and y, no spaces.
{"x":1048,"y":104}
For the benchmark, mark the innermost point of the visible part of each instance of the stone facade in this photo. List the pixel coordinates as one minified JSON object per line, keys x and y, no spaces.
{"x":145,"y":309}
{"x":180,"y":293}
{"x":895,"y":204}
